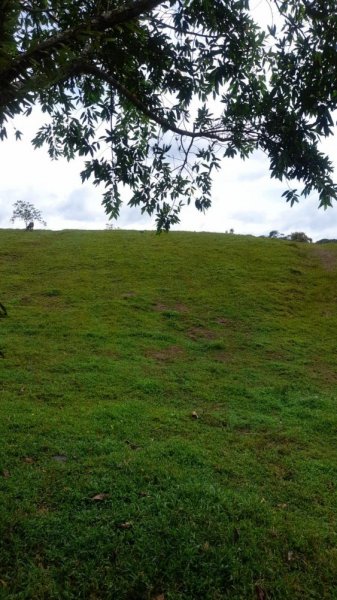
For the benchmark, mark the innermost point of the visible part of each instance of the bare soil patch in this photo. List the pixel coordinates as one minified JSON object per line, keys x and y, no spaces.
{"x":224,"y":321}
{"x":201,"y":333}
{"x":223,"y":357}
{"x":26,"y":300}
{"x":321,"y":370}
{"x":169,"y":354}
{"x":327,"y":258}
{"x":178,"y":307}
{"x":276,"y":355}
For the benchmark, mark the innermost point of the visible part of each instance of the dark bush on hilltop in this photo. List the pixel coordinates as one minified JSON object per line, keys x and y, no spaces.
{"x":274,"y":234}
{"x":326,"y":241}
{"x":296,"y":236}
{"x":299,"y":236}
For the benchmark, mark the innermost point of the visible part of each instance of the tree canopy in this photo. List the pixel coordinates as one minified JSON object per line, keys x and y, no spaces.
{"x":154,"y":93}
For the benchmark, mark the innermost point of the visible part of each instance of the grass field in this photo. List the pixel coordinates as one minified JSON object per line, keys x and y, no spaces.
{"x":168,"y":417}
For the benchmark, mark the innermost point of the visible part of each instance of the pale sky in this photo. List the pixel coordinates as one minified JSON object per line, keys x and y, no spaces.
{"x":245,"y":198}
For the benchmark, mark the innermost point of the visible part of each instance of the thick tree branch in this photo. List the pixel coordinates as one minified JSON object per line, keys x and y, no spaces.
{"x":91,"y":69}
{"x":98,"y":24}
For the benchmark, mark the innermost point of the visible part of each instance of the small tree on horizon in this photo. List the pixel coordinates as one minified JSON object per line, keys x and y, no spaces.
{"x":299,"y":236}
{"x":27,"y":213}
{"x":275,"y":234}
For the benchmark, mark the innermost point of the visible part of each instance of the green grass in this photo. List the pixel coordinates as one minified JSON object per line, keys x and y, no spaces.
{"x":113,"y":341}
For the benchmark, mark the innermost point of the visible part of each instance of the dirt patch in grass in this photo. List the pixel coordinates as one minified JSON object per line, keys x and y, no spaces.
{"x":169,"y":354}
{"x":52,"y":304}
{"x":213,"y":420}
{"x":328,"y":259}
{"x":201,"y":333}
{"x":280,"y":471}
{"x":51,"y":293}
{"x":42,"y":510}
{"x":223,"y":357}
{"x":244,"y":430}
{"x":225,"y":322}
{"x":160,"y":307}
{"x":178,"y":307}
{"x":9,"y":257}
{"x":278,"y":442}
{"x":327,"y":314}
{"x":323,"y":371}
{"x":276,"y":355}
{"x":110,"y":354}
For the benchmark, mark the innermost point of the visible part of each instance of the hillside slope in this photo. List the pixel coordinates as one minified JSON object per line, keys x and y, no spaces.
{"x":168,"y":417}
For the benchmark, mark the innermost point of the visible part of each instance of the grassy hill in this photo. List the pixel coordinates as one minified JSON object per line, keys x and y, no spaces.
{"x":167,"y":417}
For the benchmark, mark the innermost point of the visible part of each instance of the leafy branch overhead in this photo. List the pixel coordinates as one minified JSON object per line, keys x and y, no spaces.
{"x":155,"y":93}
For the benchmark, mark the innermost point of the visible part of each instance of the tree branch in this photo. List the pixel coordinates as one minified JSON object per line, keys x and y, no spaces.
{"x":96,"y":24}
{"x":91,"y":69}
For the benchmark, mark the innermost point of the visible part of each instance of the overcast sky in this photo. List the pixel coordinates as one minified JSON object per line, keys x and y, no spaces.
{"x":245,"y":198}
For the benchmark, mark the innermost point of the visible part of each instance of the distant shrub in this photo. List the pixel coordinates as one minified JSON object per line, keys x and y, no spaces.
{"x":274,"y":234}
{"x":326,"y":241}
{"x":299,"y":236}
{"x":296,"y":236}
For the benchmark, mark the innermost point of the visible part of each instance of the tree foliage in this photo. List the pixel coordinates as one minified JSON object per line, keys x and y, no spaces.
{"x":27,"y":212}
{"x":295,"y":236}
{"x":154,"y":93}
{"x":299,"y":236}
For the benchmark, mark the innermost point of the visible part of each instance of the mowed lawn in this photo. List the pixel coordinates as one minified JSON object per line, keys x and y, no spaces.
{"x":168,"y":417}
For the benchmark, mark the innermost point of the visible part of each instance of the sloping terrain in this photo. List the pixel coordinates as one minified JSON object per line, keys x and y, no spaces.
{"x":167,"y":417}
